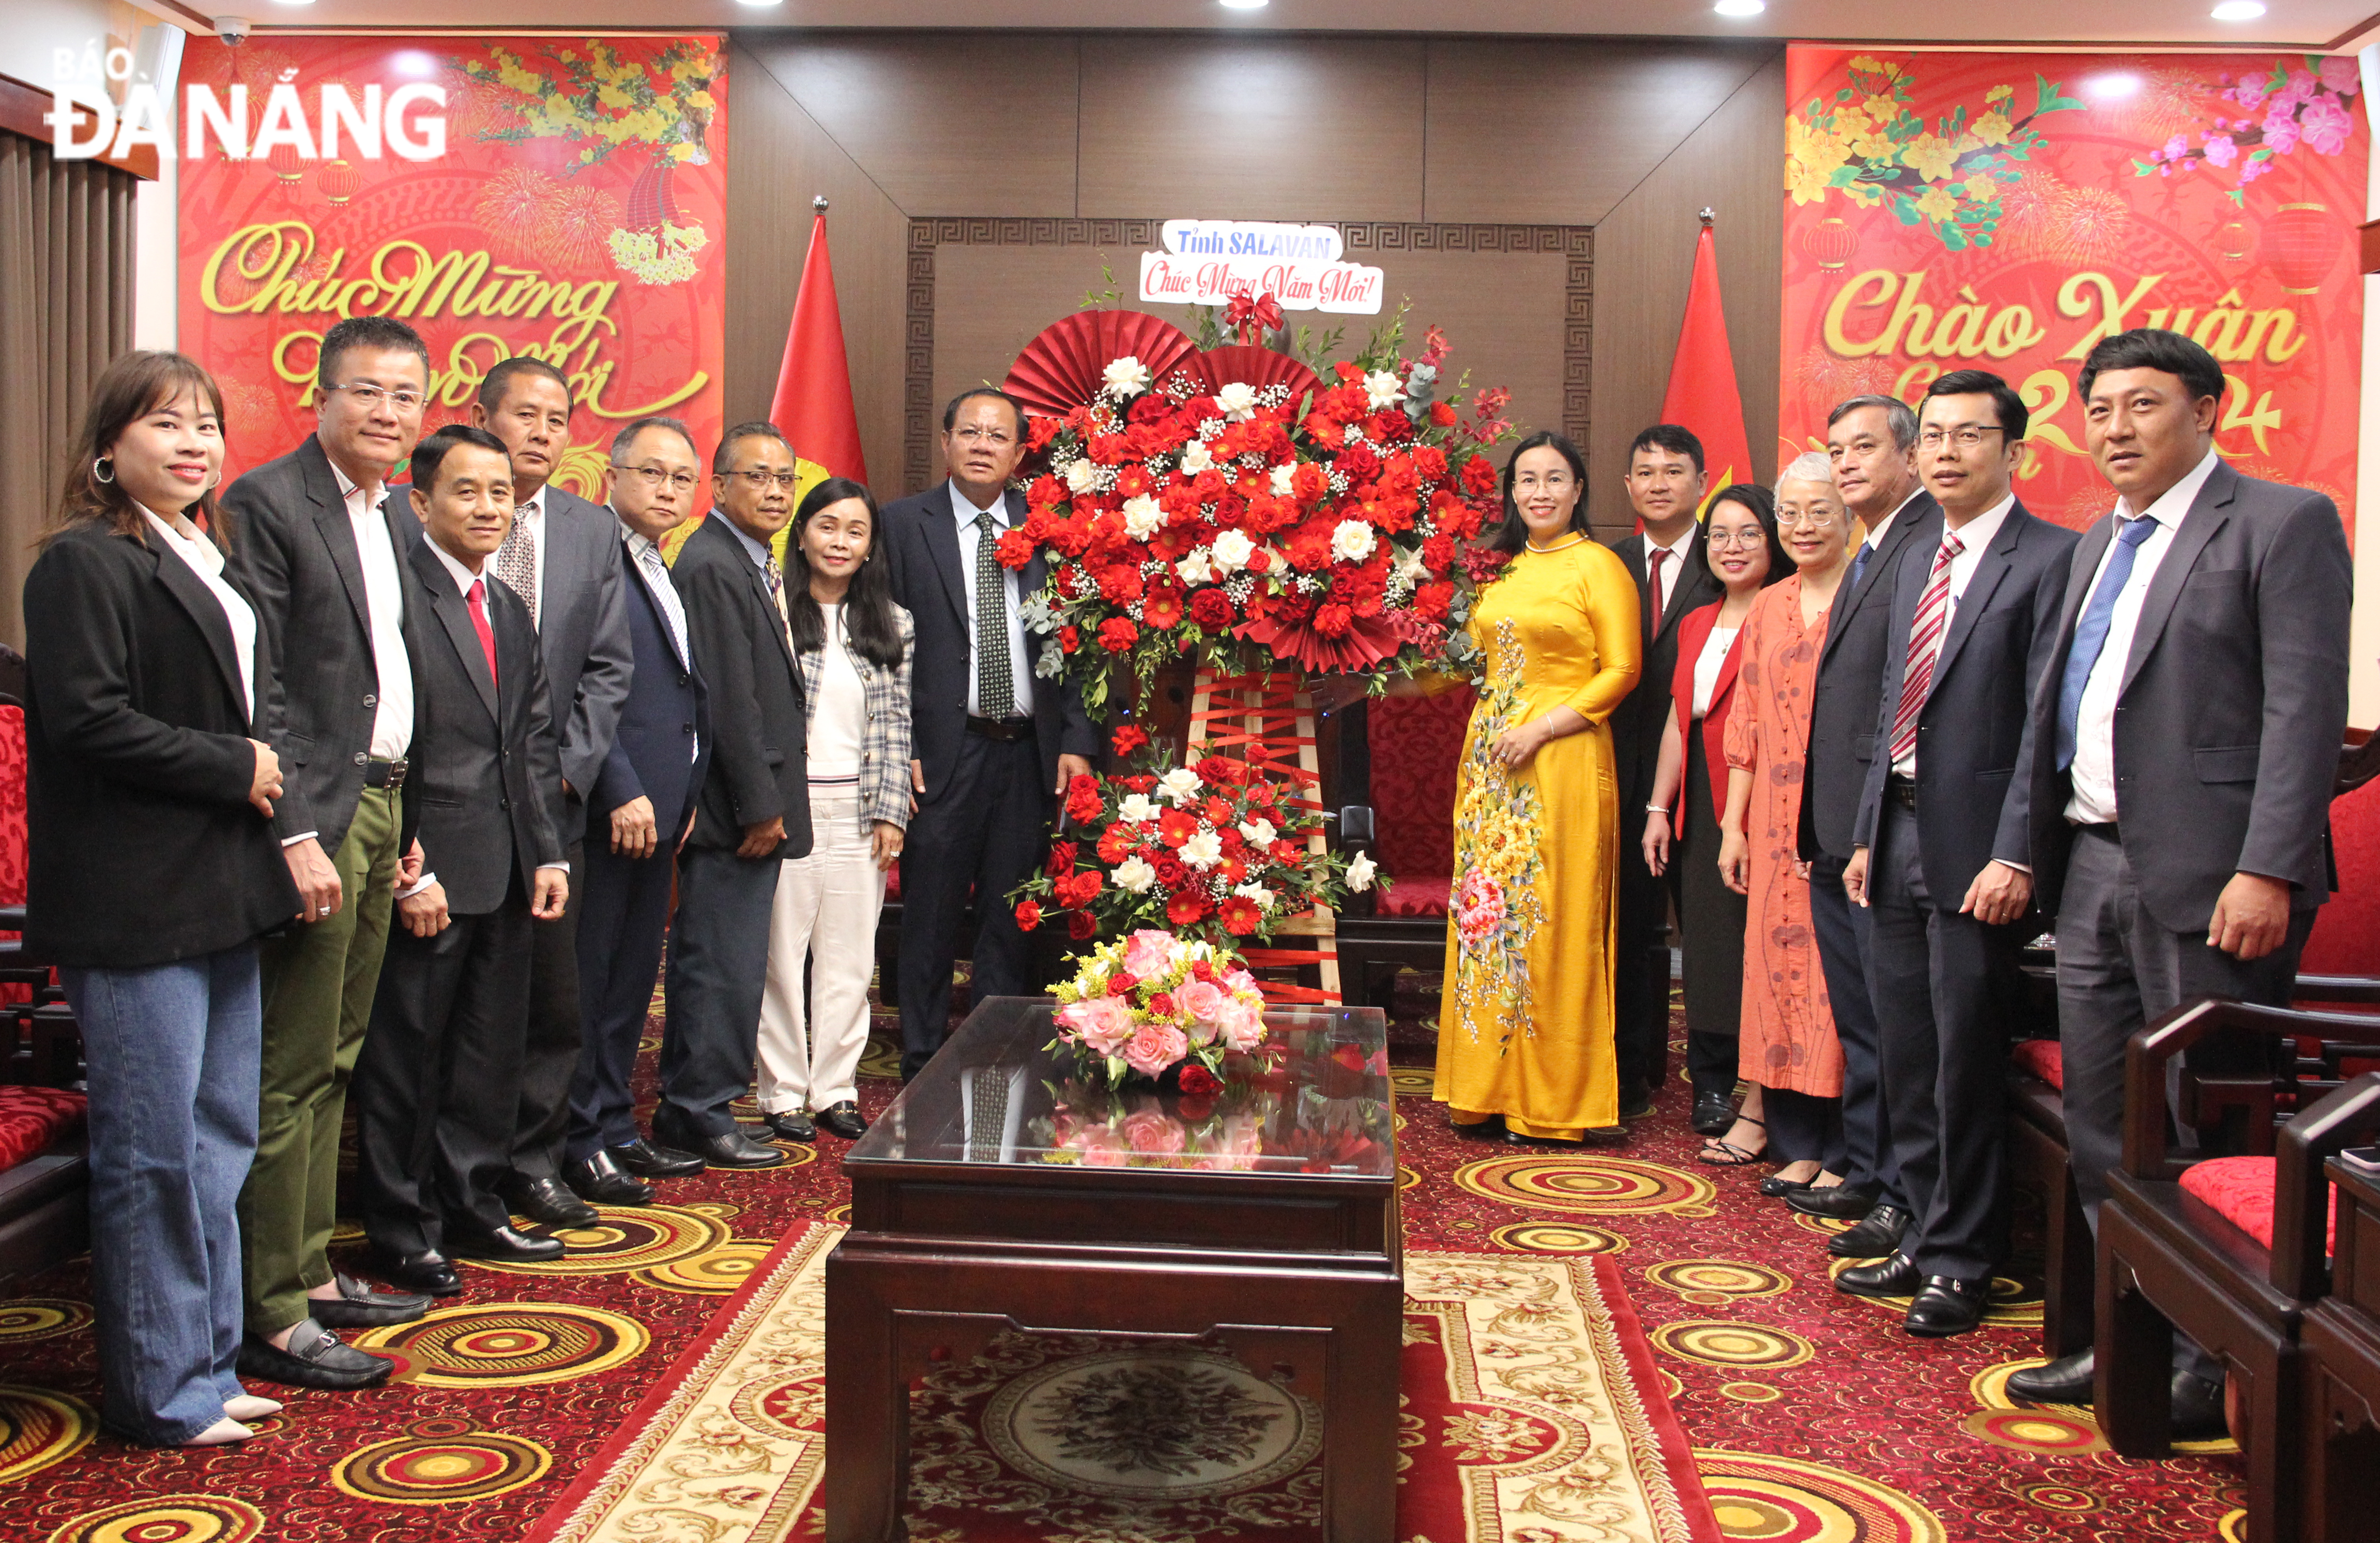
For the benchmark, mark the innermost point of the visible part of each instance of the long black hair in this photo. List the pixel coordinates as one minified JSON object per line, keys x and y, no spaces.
{"x":1762,"y":504}
{"x":1513,"y":534}
{"x":867,"y":606}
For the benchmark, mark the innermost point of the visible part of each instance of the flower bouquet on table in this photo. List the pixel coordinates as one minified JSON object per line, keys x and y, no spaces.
{"x":1210,"y":850}
{"x":1153,"y":1004}
{"x":1218,"y":1128}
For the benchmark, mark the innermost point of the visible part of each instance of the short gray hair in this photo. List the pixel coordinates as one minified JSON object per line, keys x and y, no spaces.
{"x":627,"y":436}
{"x":1810,"y":466}
{"x":1897,"y":414}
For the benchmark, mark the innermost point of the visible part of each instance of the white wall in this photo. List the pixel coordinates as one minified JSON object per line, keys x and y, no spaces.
{"x":36,"y":28}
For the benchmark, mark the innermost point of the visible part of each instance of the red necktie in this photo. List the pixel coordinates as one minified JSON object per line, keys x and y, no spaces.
{"x":1925,"y":630}
{"x":1653,"y":606}
{"x":477,"y":601}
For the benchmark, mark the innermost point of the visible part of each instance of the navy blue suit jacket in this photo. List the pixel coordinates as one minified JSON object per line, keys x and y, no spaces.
{"x":665,"y":707}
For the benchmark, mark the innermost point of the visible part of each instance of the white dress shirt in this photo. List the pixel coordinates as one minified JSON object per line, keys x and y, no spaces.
{"x":1975,"y":538}
{"x":646,"y":559}
{"x":1020,"y":663}
{"x":385,"y":603}
{"x":1672,"y":567}
{"x":2094,"y":800}
{"x":207,"y":561}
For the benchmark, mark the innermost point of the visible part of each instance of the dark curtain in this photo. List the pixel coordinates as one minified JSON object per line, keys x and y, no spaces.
{"x":65,"y":311}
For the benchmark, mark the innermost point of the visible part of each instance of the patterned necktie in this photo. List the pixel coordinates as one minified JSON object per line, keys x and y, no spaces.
{"x":516,"y":562}
{"x":476,"y":601}
{"x":995,"y":684}
{"x":656,"y":576}
{"x":1653,"y":605}
{"x":1925,"y":647}
{"x":2091,"y":632}
{"x":776,"y":579}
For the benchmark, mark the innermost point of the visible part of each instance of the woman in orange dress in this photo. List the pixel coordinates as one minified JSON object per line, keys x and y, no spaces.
{"x":1787,"y":1035}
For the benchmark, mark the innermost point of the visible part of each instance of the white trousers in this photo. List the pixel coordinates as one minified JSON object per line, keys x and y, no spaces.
{"x":826,"y":910}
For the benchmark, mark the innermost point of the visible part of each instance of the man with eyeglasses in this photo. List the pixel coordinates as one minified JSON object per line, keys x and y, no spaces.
{"x":993,"y":746}
{"x":753,"y":811}
{"x":317,"y":550}
{"x":638,"y":812}
{"x":1942,"y":843}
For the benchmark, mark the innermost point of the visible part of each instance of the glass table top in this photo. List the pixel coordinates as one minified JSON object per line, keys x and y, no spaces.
{"x":1313,"y":1100}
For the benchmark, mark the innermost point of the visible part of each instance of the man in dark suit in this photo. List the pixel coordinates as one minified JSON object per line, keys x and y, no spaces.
{"x":754,"y":808}
{"x":1941,"y":850}
{"x":993,"y":746}
{"x":2185,"y":736}
{"x":440,"y":1077}
{"x":562,"y":559}
{"x":639,"y":810}
{"x":317,"y":553}
{"x":1666,"y":484}
{"x":1871,"y":442}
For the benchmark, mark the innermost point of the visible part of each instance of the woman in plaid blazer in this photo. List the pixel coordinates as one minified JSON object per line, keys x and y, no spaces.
{"x":855,"y":645}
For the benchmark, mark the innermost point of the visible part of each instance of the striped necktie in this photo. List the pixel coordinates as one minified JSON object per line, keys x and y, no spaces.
{"x":1925,"y":647}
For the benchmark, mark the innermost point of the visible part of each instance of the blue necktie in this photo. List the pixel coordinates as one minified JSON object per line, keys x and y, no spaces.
{"x":2091,"y":632}
{"x":1859,"y":564}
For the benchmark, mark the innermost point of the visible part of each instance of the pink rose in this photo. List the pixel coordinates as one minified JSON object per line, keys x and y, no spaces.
{"x":1243,"y":983}
{"x":1155,"y":1046}
{"x":1243,"y":1024}
{"x":1102,"y":1147}
{"x":1149,"y":953}
{"x":1150,"y":1132}
{"x":1102,"y":1023}
{"x":1204,"y":1002}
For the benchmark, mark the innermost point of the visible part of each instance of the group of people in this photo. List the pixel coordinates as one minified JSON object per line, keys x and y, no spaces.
{"x":346,"y":793}
{"x":1870,"y":732}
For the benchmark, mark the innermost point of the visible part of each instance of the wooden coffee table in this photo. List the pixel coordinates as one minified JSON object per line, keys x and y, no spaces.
{"x":1268,"y":1222}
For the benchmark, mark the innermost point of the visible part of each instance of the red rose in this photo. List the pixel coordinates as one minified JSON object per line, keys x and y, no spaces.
{"x":1016,"y":550}
{"x":1227,"y":770}
{"x":1083,"y":802}
{"x":1070,"y":638}
{"x":1187,"y":908}
{"x":1120,"y":584}
{"x":1171,"y":873}
{"x":1161,"y":1005}
{"x":1062,"y":858}
{"x":1077,"y":890}
{"x":1041,"y":430}
{"x":1117,"y":635}
{"x":1127,"y":738}
{"x":1241,"y":916}
{"x":1199,"y":1082}
{"x":1082,"y":925}
{"x":1334,"y":620}
{"x":1202,"y":970}
{"x":1437,"y":553}
{"x":1211,"y":609}
{"x":1441,"y":415}
{"x":1028,"y":916}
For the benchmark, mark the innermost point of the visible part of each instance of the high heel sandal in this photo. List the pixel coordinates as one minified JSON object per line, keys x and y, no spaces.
{"x":1729,"y":1154}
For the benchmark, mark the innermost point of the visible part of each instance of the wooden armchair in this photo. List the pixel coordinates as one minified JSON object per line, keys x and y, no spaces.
{"x":2342,"y":1347}
{"x":2177,"y":1253}
{"x":1380,"y":934}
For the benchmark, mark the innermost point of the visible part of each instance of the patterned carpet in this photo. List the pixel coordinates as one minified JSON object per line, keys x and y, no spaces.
{"x":1812,"y":1415}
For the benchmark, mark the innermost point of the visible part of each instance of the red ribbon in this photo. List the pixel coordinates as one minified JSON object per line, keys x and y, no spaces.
{"x":1251,"y":316}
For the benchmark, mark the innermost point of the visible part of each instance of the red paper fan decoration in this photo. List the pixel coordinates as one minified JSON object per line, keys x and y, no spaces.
{"x":1063,"y":367}
{"x":1255,"y":365}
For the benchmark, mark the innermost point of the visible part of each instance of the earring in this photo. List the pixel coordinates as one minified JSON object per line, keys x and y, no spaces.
{"x":106,"y":476}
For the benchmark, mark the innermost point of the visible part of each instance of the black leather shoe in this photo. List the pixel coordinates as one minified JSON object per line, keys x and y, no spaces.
{"x":1713,"y":1113}
{"x":359,"y":1306}
{"x":427,"y":1272}
{"x":646,"y":1160}
{"x":844,"y":1119}
{"x":546,"y":1202}
{"x":1636,"y":1103}
{"x":1896,"y":1276}
{"x":315,"y":1359}
{"x":1878,"y":1234}
{"x":597,"y":1180}
{"x":1778,"y":1189}
{"x":504,"y":1246}
{"x":2197,"y":1409}
{"x":1948,"y":1306}
{"x":736,"y":1149}
{"x":2066,"y":1379}
{"x":1842,"y":1203}
{"x":790,"y":1124}
{"x":1489,"y":1129}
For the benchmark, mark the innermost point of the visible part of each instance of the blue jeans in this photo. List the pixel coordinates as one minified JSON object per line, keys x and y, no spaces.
{"x":175,"y":1056}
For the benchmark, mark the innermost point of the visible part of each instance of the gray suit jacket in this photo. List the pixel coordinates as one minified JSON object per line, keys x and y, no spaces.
{"x":2233,"y":704}
{"x":294,"y":551}
{"x":1974,"y":730}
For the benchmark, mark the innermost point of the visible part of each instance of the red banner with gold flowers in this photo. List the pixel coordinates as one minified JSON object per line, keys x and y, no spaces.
{"x":2005,"y":212}
{"x":560,"y":198}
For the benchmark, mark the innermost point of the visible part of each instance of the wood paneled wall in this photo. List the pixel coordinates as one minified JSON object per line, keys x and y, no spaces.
{"x":1627,"y":137}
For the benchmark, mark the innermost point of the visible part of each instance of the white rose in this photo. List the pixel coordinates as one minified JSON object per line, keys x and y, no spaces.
{"x":1265,"y":898}
{"x":1203,"y":851}
{"x":1196,"y":457}
{"x":1080,"y":476}
{"x":1382,"y":388}
{"x":1127,"y":377}
{"x":1238,"y":401}
{"x":1181,"y":784}
{"x":1259,"y":833}
{"x":1133,"y":874}
{"x":1352,"y":540}
{"x":1142,"y":518}
{"x":1137,"y":808}
{"x":1361,"y":872}
{"x":1195,"y":568}
{"x":1284,"y":479}
{"x":1232,"y":550}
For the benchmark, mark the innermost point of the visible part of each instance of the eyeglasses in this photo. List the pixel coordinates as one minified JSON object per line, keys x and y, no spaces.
{"x":1968,"y":438}
{"x":993,"y":437}
{"x":1553,"y":481}
{"x":369,"y":396}
{"x":655,"y":476}
{"x":758,"y":480}
{"x":1816,"y":519}
{"x":1724,"y":540}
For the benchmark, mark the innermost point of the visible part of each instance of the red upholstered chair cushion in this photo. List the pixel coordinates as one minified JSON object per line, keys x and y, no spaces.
{"x":892,"y":883}
{"x":2240,"y":1190}
{"x":1418,"y":896}
{"x":2043,"y":1058}
{"x":2346,"y":939}
{"x":1415,"y":743}
{"x":12,"y":806}
{"x":31,"y":1118}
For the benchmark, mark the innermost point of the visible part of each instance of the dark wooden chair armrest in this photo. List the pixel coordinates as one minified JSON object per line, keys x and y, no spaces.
{"x":2362,"y":989}
{"x":2301,"y":1192}
{"x":2144,"y":1058}
{"x":1357,"y":833}
{"x":2359,"y":762}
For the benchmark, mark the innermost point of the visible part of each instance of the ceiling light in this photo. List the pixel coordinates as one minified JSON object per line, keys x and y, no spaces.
{"x":759,"y":4}
{"x":2112,"y":87}
{"x":413,"y":61}
{"x":2239,"y":10}
{"x":1739,"y":7}
{"x":1244,"y":4}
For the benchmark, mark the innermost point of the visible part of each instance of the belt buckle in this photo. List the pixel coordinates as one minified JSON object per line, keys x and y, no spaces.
{"x":396,"y":770}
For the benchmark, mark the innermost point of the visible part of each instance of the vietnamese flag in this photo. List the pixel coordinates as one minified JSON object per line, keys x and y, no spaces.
{"x":813,"y":403}
{"x":1702,"y":394}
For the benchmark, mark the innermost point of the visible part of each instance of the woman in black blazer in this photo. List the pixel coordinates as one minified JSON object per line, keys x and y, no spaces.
{"x":154,"y":870}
